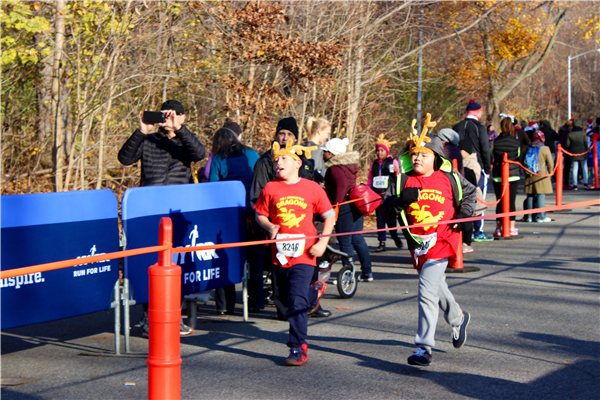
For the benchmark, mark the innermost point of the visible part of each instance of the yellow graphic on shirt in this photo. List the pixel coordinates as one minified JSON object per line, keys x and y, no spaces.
{"x":289,"y":218}
{"x":423,"y":216}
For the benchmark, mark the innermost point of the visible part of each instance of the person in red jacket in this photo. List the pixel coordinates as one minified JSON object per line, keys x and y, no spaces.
{"x":285,"y":209}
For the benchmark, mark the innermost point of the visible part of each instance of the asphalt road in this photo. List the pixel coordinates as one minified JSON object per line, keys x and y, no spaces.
{"x":534,"y":334}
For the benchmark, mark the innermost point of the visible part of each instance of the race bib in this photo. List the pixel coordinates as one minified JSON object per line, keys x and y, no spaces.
{"x":428,"y":241}
{"x":380,"y":182}
{"x":290,"y":248}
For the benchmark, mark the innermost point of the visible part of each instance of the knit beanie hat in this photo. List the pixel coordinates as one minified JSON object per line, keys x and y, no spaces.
{"x":473,"y":105}
{"x":539,"y":136}
{"x":233,"y":126}
{"x":449,"y":135}
{"x":336,"y":146}
{"x":384,"y":144}
{"x":173,"y":105}
{"x":289,"y":124}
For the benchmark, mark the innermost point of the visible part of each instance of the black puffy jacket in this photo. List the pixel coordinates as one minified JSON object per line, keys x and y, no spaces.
{"x":164,"y":161}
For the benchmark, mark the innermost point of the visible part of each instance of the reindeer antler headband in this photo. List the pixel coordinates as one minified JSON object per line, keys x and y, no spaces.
{"x":386,"y":144}
{"x":417,"y":143}
{"x":291,"y":150}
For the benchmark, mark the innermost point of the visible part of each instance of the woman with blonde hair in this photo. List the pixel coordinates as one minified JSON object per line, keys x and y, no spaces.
{"x":319,"y":130}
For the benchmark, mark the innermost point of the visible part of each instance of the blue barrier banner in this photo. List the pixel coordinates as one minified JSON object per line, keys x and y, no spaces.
{"x":47,"y":227}
{"x":202,"y":214}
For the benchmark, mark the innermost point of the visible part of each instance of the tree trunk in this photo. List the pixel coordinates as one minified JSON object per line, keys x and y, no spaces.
{"x":59,"y":126}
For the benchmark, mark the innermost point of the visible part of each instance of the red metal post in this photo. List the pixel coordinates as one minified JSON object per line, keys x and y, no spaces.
{"x":164,"y":315}
{"x":559,"y":174}
{"x":506,"y":196}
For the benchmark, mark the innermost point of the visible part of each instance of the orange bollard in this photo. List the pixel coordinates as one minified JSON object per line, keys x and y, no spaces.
{"x":164,"y":315}
{"x":559,"y":175}
{"x":506,"y":198}
{"x":595,"y":158}
{"x":456,"y":262}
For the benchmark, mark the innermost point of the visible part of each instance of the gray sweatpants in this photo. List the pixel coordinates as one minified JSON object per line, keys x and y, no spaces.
{"x":434,"y":293}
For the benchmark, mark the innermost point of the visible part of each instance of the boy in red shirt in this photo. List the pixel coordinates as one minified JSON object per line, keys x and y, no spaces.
{"x":285,"y":209}
{"x":430,"y":193}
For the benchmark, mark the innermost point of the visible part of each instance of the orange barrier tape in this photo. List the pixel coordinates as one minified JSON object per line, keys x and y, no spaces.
{"x":533,"y":173}
{"x":78,"y":261}
{"x":127,"y":253}
{"x":493,"y":216}
{"x":575,"y":155}
{"x":494,"y":204}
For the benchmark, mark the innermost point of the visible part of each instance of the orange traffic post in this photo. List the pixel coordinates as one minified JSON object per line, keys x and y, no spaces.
{"x":506,"y":196}
{"x":559,"y":174}
{"x":164,"y":315}
{"x":457,"y":261}
{"x":595,"y":158}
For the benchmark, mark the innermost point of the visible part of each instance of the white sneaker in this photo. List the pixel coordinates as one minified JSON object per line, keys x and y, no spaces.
{"x":543,"y":220}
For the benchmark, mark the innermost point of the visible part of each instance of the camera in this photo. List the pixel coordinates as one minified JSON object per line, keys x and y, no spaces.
{"x":153,"y":117}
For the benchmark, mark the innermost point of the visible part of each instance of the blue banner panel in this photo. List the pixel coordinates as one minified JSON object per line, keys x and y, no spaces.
{"x":47,"y":227}
{"x":202,"y":214}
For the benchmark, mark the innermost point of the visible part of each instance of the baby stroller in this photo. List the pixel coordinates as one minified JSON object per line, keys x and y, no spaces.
{"x":346,"y":279}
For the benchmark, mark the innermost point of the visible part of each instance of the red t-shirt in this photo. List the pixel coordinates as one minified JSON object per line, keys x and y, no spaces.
{"x":435,"y":204}
{"x":292,"y":206}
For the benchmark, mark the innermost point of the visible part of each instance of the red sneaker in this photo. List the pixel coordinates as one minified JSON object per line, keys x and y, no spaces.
{"x":298,"y":355}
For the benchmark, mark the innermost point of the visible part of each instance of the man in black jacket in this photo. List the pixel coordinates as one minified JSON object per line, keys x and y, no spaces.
{"x":166,"y":153}
{"x":166,"y":157}
{"x":474,"y":139}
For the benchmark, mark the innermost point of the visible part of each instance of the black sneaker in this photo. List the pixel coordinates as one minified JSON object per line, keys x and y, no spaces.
{"x":398,"y":242}
{"x":459,"y":333}
{"x":380,"y":248}
{"x":420,"y":357}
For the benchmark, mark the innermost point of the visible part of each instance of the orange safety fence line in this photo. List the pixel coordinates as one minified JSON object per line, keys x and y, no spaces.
{"x":504,"y":190}
{"x":575,"y":155}
{"x":493,"y":216}
{"x":79,"y":261}
{"x":533,"y":173}
{"x":145,"y":250}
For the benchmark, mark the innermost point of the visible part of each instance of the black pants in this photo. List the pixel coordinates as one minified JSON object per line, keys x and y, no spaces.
{"x":512,"y":197}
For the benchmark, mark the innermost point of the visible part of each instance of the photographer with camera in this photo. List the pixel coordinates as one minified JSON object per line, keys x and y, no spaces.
{"x":166,"y":153}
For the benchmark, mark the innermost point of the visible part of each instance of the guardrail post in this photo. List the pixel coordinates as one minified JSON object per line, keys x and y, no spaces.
{"x":164,"y":315}
{"x":559,"y":174}
{"x":505,"y":196}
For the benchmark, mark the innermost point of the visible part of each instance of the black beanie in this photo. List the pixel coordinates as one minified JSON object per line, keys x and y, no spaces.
{"x":289,"y":124}
{"x":173,"y":105}
{"x":233,"y":126}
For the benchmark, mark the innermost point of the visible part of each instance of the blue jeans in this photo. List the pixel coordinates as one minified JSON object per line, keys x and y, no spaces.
{"x":350,"y":219}
{"x":540,"y":202}
{"x":483,"y":184}
{"x":575,"y":172}
{"x":382,"y":222}
{"x":298,"y":296}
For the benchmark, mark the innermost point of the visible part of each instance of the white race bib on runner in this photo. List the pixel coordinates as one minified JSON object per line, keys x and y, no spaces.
{"x":291,"y":248}
{"x":428,"y":242}
{"x":381,"y":182}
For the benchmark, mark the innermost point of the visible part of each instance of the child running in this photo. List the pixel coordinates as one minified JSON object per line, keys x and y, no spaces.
{"x":285,"y":209}
{"x":432,"y":193}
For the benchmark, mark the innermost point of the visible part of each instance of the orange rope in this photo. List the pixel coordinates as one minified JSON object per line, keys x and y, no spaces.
{"x":78,"y":261}
{"x":145,"y":250}
{"x":575,"y":155}
{"x":533,"y":173}
{"x":497,"y":201}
